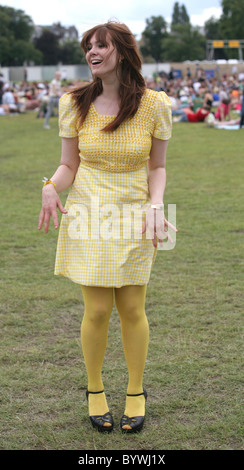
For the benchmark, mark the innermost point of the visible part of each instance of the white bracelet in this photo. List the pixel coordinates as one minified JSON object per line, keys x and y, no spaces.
{"x":158,"y":206}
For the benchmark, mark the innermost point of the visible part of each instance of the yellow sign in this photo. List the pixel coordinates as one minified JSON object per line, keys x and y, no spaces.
{"x":218,"y":43}
{"x":234,"y":43}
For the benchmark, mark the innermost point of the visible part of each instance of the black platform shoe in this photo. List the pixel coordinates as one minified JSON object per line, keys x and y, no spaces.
{"x":99,"y":421}
{"x":136,"y":422}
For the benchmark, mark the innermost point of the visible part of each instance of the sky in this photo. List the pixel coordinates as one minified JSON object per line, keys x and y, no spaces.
{"x":84,"y":14}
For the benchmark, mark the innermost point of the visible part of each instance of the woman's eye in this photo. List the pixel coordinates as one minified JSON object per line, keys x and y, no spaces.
{"x":101,"y":45}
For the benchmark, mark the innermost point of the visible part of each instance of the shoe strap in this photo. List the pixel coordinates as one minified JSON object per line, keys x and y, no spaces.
{"x":136,"y":394}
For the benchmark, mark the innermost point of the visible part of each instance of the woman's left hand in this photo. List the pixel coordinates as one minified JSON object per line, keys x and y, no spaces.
{"x":157,"y":226}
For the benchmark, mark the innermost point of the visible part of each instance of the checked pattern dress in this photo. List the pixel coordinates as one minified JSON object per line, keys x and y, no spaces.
{"x":99,"y":242}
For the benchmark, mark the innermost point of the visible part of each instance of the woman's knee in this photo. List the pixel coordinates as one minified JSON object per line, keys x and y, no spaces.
{"x":99,"y":313}
{"x":132,"y":315}
{"x":98,"y":304}
{"x":131,"y":304}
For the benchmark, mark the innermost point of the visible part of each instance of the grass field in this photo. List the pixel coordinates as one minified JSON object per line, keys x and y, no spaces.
{"x":195,"y":304}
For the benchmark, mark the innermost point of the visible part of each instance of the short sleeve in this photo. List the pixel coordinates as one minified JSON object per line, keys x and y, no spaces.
{"x":162,"y":117}
{"x":67,"y":117}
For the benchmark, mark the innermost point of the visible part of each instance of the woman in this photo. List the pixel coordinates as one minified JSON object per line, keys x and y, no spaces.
{"x":112,"y":130}
{"x":223,"y":111}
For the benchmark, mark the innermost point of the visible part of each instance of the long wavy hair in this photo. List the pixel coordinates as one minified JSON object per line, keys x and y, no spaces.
{"x":132,"y":83}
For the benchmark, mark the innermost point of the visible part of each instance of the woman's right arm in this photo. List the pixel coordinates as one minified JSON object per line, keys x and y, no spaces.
{"x":63,"y":178}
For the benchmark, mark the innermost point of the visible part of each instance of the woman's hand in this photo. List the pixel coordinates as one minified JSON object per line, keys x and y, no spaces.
{"x":50,"y":202}
{"x":157,"y":226}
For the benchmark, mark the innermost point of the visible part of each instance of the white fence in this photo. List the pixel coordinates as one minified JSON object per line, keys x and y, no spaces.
{"x":45,"y":72}
{"x":70,"y":72}
{"x":75,"y":72}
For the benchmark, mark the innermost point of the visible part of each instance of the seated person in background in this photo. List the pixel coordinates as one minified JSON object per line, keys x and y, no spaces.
{"x":181,"y":102}
{"x":197,"y":102}
{"x":216,"y":99}
{"x":235,"y":98}
{"x":222,"y":93}
{"x":208,"y":98}
{"x":32,"y":101}
{"x":199,"y":116}
{"x":4,"y":109}
{"x":223,"y":110}
{"x":9,"y":99}
{"x":172,"y":94}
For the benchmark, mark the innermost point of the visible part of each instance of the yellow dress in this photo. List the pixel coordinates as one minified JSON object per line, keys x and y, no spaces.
{"x":100,"y":241}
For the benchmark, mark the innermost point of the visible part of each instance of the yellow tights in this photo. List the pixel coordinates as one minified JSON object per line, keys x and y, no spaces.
{"x":130,"y":303}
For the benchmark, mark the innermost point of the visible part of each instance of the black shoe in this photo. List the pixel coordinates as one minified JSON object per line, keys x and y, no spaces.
{"x":99,"y":421}
{"x":136,"y":422}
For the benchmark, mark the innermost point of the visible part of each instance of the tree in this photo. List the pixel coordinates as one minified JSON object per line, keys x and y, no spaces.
{"x":23,"y":51}
{"x":185,"y":19}
{"x":152,"y":36}
{"x":179,"y":16}
{"x":70,"y":53}
{"x":67,"y":51}
{"x":231,"y":21}
{"x":175,"y":15}
{"x":15,"y":23}
{"x":47,"y":43}
{"x":4,"y":22}
{"x":17,"y":46}
{"x":15,"y":38}
{"x":229,"y":26}
{"x":186,"y":43}
{"x":5,"y":47}
{"x":212,"y":29}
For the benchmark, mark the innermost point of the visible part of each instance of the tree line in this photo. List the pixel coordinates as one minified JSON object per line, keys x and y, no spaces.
{"x":19,"y":45}
{"x":181,"y":41}
{"x":160,"y":42}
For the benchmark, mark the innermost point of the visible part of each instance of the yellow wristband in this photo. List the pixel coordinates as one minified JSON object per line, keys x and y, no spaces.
{"x":47,"y":181}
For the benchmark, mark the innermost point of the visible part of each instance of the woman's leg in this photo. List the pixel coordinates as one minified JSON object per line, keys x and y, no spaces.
{"x":130,"y":303}
{"x":98,"y":303}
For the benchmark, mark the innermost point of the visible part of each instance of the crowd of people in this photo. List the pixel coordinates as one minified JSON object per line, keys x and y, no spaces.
{"x":201,"y":99}
{"x":194,"y":99}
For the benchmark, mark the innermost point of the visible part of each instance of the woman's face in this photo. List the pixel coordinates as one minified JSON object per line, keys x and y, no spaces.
{"x":102,"y":58}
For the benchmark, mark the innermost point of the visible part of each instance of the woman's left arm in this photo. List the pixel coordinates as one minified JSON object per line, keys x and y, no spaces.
{"x":155,"y":220}
{"x":157,"y":170}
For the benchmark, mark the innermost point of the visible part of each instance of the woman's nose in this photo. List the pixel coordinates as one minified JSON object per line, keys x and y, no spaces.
{"x":92,"y":50}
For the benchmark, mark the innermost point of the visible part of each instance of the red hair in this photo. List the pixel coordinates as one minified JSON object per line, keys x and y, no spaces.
{"x":132,"y":84}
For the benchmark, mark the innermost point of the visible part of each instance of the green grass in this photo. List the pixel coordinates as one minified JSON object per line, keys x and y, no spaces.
{"x":194,"y":304}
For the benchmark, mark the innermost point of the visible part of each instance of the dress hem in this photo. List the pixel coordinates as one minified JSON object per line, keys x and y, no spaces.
{"x":103,"y":284}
